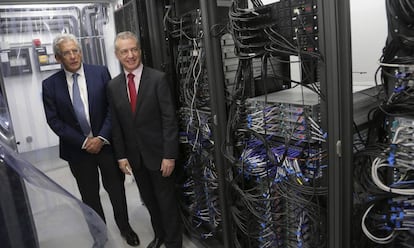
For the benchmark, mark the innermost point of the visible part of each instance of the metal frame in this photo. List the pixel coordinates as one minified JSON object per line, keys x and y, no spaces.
{"x":215,"y":73}
{"x":336,"y":83}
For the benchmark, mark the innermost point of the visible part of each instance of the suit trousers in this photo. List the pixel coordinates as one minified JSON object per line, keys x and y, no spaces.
{"x":159,"y":196}
{"x":86,"y":174}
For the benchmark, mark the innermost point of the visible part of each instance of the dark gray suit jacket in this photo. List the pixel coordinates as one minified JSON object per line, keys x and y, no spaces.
{"x":152,"y":133}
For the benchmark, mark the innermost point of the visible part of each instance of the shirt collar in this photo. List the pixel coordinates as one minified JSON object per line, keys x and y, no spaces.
{"x":80,"y":72}
{"x":136,"y":72}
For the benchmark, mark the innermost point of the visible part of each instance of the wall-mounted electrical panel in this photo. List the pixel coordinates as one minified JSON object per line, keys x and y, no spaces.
{"x":44,"y":57}
{"x":15,"y":61}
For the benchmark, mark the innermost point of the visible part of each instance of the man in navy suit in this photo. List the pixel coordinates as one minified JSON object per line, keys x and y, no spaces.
{"x":145,"y":137}
{"x":77,"y":111}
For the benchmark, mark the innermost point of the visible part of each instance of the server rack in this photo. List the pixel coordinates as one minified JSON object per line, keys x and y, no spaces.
{"x":335,"y":81}
{"x":333,"y":74}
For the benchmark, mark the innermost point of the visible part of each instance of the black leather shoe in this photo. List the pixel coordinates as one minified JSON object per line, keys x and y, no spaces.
{"x":156,"y":243}
{"x":131,"y":238}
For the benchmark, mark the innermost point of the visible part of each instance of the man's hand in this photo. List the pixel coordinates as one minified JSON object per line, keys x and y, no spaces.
{"x":124,"y":166}
{"x":167,"y":167}
{"x":94,"y":145}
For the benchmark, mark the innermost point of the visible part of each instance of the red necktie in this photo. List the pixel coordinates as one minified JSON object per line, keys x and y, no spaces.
{"x":132,"y":91}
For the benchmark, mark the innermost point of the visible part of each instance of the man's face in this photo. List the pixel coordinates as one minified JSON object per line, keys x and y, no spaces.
{"x":128,"y":53}
{"x":70,"y":56}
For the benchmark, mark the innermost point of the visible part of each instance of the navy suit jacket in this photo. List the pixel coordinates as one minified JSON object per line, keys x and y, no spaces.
{"x":152,"y":133}
{"x":61,"y":116}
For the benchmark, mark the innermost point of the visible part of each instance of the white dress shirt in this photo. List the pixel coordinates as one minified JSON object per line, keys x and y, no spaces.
{"x":137,"y":79}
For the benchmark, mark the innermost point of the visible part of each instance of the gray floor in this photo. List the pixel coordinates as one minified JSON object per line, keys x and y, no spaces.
{"x":56,"y":169}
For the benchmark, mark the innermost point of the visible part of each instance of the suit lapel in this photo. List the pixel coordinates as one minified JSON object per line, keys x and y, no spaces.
{"x":142,"y":88}
{"x":90,"y":82}
{"x":121,"y":87}
{"x":62,"y":88}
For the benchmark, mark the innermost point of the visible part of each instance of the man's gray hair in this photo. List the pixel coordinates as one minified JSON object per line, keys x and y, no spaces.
{"x":63,"y":38}
{"x":126,"y":35}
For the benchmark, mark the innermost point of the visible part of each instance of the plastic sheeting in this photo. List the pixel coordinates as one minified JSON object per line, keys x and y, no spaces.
{"x":59,"y":219}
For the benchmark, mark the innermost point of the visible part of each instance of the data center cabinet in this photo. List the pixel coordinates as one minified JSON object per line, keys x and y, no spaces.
{"x":274,"y":144}
{"x":300,"y":141}
{"x":383,"y":172}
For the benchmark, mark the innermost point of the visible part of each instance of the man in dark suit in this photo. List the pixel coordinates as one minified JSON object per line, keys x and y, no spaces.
{"x":145,"y":137}
{"x":77,"y":111}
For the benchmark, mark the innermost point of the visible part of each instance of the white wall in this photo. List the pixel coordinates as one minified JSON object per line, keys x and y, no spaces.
{"x":26,"y":111}
{"x":369,"y":33}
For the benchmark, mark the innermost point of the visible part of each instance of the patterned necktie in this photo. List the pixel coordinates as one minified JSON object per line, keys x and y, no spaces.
{"x":78,"y":106}
{"x":132,"y":91}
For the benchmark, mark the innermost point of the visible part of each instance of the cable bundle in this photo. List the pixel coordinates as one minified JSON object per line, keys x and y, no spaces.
{"x":388,"y":194}
{"x":285,"y":120}
{"x":247,"y":28}
{"x":401,"y":21}
{"x":199,"y":200}
{"x":276,"y":152}
{"x":304,"y":220}
{"x":184,"y":27}
{"x":401,"y":100}
{"x":277,"y":179}
{"x":388,"y":221}
{"x":256,"y":213}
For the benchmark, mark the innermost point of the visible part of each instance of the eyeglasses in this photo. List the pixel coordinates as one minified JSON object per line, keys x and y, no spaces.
{"x":125,"y":52}
{"x":68,"y":53}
